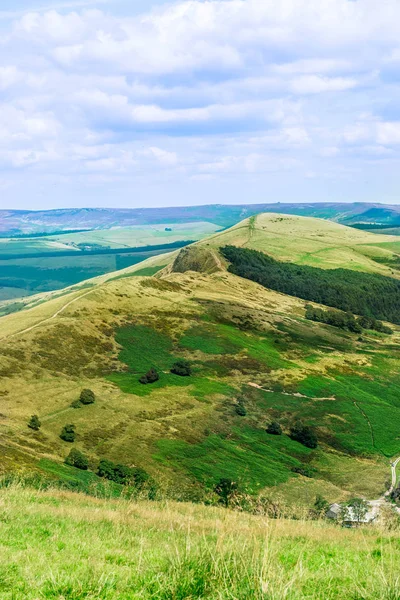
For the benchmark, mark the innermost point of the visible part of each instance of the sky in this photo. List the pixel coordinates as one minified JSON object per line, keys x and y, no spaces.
{"x":132,"y":103}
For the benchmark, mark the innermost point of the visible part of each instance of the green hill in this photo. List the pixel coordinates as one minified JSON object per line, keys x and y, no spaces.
{"x":247,"y":346}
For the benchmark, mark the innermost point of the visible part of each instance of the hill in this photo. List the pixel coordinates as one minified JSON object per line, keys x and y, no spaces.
{"x":64,"y":545}
{"x":248,"y":347}
{"x":17,"y":222}
{"x":45,"y":253}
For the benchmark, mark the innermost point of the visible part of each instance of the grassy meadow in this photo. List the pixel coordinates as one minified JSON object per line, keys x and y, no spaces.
{"x":61,"y":545}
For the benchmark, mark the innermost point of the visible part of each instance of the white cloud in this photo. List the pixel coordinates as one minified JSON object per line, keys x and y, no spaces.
{"x":198,"y":89}
{"x":314,"y":84}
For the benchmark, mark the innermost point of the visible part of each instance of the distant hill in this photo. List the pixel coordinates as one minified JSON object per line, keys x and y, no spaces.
{"x":34,"y":222}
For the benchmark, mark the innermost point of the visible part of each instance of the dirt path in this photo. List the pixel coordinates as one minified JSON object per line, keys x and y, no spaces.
{"x":293,"y":395}
{"x":61,"y":310}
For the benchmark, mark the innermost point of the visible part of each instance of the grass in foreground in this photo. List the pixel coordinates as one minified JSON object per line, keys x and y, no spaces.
{"x":62,"y":545}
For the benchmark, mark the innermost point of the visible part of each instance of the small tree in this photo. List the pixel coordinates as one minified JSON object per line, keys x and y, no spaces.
{"x":77,"y":459}
{"x":34,"y":423}
{"x":274,"y":428}
{"x":321,"y":506}
{"x":87,"y":397}
{"x":68,"y":433}
{"x":225,"y":489}
{"x":151,"y":377}
{"x":355,"y":510}
{"x":182,"y":368}
{"x":304,"y":434}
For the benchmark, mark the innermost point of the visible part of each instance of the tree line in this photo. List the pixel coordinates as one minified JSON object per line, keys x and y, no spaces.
{"x":367,"y":294}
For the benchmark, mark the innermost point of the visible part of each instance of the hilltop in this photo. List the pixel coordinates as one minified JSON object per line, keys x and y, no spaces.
{"x":247,"y":346}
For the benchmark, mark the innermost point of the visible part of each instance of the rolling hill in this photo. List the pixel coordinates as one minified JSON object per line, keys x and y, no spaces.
{"x":247,"y":345}
{"x":25,"y":222}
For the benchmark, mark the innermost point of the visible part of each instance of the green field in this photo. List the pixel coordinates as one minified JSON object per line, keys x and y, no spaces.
{"x":60,"y":545}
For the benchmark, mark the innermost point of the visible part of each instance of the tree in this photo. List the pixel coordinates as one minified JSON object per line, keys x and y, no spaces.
{"x":354,"y":510}
{"x":274,"y":428}
{"x":87,"y":397}
{"x":77,"y":459}
{"x":321,"y":506}
{"x":182,"y":368}
{"x":68,"y":433}
{"x":304,"y":435}
{"x":151,"y":377}
{"x":359,"y":507}
{"x":34,"y":423}
{"x":225,"y":489}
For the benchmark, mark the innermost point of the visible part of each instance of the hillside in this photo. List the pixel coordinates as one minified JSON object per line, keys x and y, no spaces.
{"x":63,"y":545}
{"x":314,"y":242}
{"x":35,"y":262}
{"x":247,"y":346}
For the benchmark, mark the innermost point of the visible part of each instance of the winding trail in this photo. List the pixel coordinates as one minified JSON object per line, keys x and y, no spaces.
{"x":58,"y":312}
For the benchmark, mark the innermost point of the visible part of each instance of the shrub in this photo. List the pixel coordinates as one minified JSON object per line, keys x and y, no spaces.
{"x":34,"y":423}
{"x":240,"y":409}
{"x":225,"y":489}
{"x":182,"y":368}
{"x":303,"y":470}
{"x":274,"y":428}
{"x":76,"y":404}
{"x":151,"y":377}
{"x":87,"y":397}
{"x":304,"y":435}
{"x":68,"y":433}
{"x":77,"y":459}
{"x":122,"y":474}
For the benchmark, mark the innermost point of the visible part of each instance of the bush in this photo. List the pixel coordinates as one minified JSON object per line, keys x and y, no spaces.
{"x":303,"y":470}
{"x":304,"y":435}
{"x":87,"y":397}
{"x":274,"y":428}
{"x":68,"y":433}
{"x":122,"y":474}
{"x":225,"y":489}
{"x":240,"y":409}
{"x":34,"y":423}
{"x":151,"y":377}
{"x":182,"y":368}
{"x":76,"y":459}
{"x":76,"y":404}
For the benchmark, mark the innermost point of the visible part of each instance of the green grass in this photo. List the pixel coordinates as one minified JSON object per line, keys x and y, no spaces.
{"x":58,"y":545}
{"x":250,"y":457}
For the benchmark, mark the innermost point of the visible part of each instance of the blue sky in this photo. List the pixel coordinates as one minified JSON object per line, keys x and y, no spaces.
{"x":138,"y":103}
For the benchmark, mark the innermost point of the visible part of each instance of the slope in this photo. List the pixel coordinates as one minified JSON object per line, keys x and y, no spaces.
{"x":87,"y":548}
{"x":314,"y":242}
{"x":247,"y":345}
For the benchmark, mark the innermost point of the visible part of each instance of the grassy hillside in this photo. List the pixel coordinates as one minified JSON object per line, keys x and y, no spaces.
{"x":313,"y":242}
{"x":246,"y":345}
{"x":61,"y":545}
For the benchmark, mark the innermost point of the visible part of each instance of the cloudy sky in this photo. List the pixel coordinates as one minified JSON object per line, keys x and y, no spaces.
{"x":151,"y":103}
